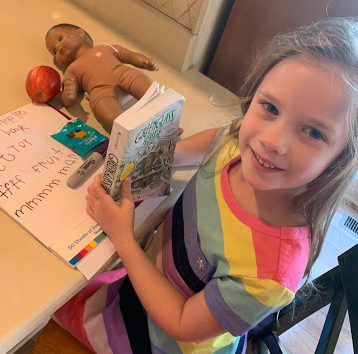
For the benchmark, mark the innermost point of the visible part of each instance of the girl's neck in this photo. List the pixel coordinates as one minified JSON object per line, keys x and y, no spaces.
{"x":273,"y":207}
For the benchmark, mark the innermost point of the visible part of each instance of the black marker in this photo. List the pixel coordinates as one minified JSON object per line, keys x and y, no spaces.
{"x":88,"y":167}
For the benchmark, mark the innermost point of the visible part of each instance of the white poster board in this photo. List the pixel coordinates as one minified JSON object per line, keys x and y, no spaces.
{"x":34,"y":169}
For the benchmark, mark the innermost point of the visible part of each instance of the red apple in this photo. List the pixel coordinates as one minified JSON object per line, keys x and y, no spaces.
{"x":43,"y":83}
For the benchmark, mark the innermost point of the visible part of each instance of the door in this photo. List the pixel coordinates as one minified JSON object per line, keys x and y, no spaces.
{"x":252,"y":23}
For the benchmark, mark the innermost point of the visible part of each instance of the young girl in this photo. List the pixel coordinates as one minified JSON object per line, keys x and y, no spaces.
{"x":251,"y":222}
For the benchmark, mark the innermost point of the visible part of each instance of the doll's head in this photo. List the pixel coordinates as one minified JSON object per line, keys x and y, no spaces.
{"x":65,"y":42}
{"x":332,"y":43}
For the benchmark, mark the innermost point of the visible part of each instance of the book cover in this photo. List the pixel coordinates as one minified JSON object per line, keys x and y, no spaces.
{"x":142,"y":145}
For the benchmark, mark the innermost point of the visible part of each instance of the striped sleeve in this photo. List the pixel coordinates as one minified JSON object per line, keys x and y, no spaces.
{"x":240,"y":304}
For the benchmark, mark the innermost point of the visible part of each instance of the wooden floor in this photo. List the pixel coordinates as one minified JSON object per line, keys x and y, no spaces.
{"x":53,"y":340}
{"x":303,"y":338}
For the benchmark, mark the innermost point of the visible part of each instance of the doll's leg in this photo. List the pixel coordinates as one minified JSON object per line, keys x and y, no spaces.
{"x":139,"y":86}
{"x":133,"y":81}
{"x":106,"y":110}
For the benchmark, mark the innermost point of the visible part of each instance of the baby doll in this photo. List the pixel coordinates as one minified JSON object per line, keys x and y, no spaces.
{"x":97,"y":70}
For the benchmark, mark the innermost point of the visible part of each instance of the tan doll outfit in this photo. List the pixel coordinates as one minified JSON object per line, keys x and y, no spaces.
{"x":99,"y":73}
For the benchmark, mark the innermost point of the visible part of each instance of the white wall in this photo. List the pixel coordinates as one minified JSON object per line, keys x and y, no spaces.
{"x":166,"y":38}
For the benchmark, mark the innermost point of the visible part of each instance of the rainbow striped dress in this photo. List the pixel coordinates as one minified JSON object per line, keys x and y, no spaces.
{"x":246,"y":268}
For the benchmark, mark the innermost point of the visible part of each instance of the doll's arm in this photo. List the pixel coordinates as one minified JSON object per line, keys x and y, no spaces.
{"x":139,"y":60}
{"x":70,"y":89}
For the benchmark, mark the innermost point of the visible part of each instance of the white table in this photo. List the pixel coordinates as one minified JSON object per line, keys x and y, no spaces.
{"x":34,"y":282}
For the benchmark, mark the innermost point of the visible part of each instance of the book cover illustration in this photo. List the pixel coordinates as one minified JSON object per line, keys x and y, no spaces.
{"x":150,"y":167}
{"x":144,"y":149}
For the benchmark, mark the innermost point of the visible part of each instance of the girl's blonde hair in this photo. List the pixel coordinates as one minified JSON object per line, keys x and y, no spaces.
{"x":334,"y":41}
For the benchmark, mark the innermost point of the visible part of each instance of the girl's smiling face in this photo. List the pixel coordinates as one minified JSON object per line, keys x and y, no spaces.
{"x":296,"y":125}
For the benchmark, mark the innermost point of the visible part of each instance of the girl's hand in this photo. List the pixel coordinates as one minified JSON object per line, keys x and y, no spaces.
{"x":115,"y":218}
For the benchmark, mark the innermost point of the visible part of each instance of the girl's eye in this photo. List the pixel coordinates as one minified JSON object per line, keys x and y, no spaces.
{"x":60,"y":37}
{"x":313,"y":133}
{"x":54,"y":51}
{"x":270,"y":108}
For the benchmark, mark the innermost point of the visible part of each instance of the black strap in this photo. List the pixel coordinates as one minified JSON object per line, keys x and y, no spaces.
{"x":135,"y":319}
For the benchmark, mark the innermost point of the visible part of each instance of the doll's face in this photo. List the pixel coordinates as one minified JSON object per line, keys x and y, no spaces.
{"x":64,"y":44}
